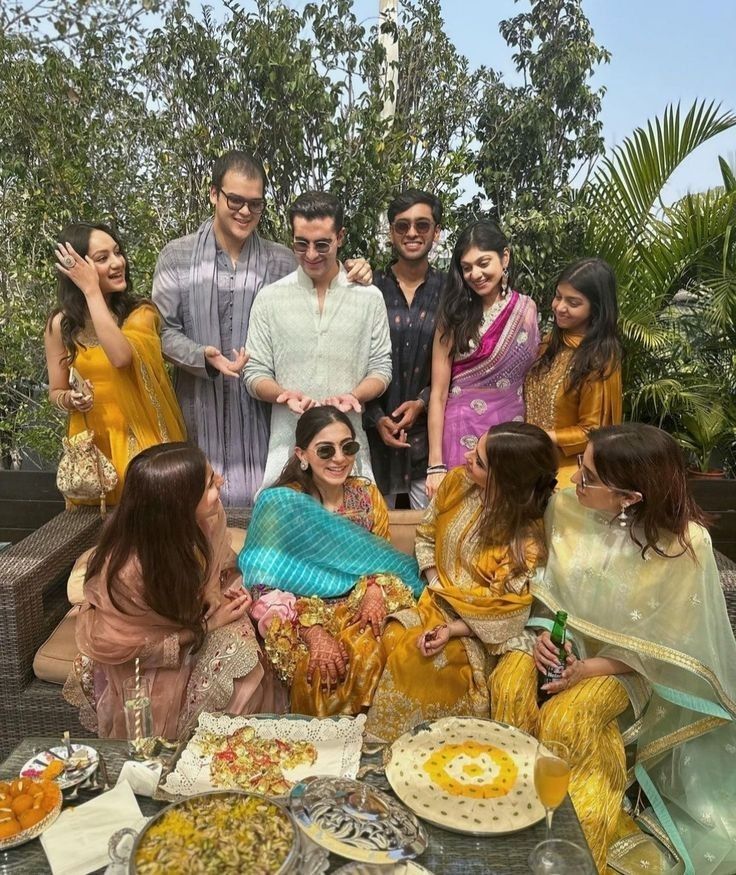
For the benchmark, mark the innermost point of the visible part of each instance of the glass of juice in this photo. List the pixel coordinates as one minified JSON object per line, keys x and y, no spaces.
{"x":551,"y":776}
{"x":138,"y":717}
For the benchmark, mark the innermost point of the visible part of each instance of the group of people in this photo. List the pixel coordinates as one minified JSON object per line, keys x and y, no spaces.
{"x":460,"y":404}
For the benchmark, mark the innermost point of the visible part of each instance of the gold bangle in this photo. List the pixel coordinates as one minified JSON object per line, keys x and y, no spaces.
{"x":58,"y":401}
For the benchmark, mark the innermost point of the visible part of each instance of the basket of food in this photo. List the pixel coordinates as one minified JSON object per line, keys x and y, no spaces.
{"x":222,"y":832}
{"x":27,"y":807}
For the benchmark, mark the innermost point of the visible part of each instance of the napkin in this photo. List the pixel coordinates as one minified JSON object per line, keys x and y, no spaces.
{"x":143,"y":777}
{"x":76,"y":843}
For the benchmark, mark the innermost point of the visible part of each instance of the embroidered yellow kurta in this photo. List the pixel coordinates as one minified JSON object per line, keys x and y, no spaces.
{"x":571,"y":414}
{"x":364,"y":505}
{"x":134,"y":407}
{"x":474,"y":584}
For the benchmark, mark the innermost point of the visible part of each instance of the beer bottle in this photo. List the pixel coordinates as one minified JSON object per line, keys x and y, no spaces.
{"x":554,"y":672}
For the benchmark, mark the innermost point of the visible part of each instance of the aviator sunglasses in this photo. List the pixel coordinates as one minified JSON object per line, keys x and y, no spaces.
{"x":327,"y":451}
{"x":421,"y":226}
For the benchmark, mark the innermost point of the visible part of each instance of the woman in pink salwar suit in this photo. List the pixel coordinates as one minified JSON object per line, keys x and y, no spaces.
{"x":486,"y":341}
{"x":162,"y":588}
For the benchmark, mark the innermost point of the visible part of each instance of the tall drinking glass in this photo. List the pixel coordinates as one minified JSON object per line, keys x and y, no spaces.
{"x":560,"y":857}
{"x":138,"y":716}
{"x":551,"y":776}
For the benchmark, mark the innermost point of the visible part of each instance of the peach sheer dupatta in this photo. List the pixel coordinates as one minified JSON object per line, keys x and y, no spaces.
{"x":226,"y":674}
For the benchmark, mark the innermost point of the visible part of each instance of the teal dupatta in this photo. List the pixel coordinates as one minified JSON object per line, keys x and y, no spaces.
{"x":294,"y":544}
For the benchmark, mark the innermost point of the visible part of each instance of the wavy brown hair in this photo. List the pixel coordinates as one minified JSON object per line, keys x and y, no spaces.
{"x":599,"y":352}
{"x":155,"y":523}
{"x":522,"y":469}
{"x":635,"y":457}
{"x":71,"y":302}
{"x":308,"y":426}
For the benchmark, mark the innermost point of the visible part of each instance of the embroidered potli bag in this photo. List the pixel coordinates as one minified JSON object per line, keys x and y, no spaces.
{"x":84,"y":471}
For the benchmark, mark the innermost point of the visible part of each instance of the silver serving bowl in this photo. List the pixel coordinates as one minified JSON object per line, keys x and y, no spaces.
{"x":290,"y":866}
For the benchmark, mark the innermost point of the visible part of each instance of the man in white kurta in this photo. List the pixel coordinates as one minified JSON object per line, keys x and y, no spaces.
{"x":315,"y":337}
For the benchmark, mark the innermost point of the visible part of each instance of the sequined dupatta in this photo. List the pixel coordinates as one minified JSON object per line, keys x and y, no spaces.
{"x":666,"y":618}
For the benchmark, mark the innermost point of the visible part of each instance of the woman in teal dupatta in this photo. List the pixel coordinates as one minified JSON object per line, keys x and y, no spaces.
{"x":318,"y":554}
{"x":654,"y":668}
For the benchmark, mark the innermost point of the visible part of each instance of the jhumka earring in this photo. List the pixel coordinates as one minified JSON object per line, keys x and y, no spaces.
{"x":623,"y":517}
{"x":505,"y":282}
{"x":303,"y":464}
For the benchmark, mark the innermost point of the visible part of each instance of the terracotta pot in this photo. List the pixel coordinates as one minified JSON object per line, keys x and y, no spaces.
{"x":716,"y":474}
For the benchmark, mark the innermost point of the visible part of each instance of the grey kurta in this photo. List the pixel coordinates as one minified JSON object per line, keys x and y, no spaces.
{"x":320,"y":354}
{"x":229,"y":425}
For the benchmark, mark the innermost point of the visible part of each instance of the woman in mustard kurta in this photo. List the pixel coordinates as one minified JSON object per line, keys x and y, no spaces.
{"x":575,"y":384}
{"x":478,"y":545}
{"x":112,"y":341}
{"x":318,"y":540}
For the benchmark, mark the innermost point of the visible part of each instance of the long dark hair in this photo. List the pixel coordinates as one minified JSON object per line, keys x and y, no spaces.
{"x":599,"y":352}
{"x":71,"y":302}
{"x":461,"y":309}
{"x":155,"y":523}
{"x":522,"y":469}
{"x":641,"y":458}
{"x":308,"y":426}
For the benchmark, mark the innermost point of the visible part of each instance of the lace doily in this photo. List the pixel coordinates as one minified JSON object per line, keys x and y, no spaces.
{"x":338,"y":743}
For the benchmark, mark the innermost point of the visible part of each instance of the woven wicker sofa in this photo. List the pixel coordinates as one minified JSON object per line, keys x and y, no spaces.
{"x":33,"y":603}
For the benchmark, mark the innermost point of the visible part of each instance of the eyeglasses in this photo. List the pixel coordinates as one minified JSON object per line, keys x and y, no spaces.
{"x":421,"y":226}
{"x":236,"y":203}
{"x":584,"y":484}
{"x":321,"y":246}
{"x":327,"y":451}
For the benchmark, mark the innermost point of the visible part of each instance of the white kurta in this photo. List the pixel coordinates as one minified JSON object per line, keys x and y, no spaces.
{"x":319,"y":354}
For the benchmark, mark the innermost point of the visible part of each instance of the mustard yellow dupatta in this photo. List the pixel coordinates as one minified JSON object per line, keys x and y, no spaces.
{"x":474,"y":584}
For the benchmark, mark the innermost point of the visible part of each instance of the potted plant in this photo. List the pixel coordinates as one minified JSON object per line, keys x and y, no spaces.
{"x":705,"y":430}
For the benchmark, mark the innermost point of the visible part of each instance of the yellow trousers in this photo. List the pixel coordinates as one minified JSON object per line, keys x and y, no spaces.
{"x":584,"y":719}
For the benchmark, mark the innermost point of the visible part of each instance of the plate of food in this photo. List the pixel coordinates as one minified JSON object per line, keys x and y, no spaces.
{"x":467,"y":775}
{"x":27,"y":807}
{"x":56,"y":764}
{"x":222,"y":832}
{"x":264,"y":755}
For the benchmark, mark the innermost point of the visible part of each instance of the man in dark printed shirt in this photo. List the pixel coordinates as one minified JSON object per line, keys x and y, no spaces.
{"x":396,"y":422}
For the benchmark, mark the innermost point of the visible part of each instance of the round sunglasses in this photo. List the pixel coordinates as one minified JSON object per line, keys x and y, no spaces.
{"x":327,"y":451}
{"x":421,"y":226}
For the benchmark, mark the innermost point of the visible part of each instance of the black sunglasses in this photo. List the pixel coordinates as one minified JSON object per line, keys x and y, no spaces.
{"x":236,"y":203}
{"x":327,"y":451}
{"x":321,"y":246}
{"x":421,"y":226}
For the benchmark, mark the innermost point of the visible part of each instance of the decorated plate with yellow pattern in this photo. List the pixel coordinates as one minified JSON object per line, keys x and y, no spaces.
{"x":467,"y":775}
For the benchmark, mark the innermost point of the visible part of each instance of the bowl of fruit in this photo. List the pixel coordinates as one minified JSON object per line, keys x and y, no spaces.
{"x":27,"y":807}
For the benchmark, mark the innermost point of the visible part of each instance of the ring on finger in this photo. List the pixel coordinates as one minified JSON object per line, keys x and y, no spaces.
{"x":68,"y":261}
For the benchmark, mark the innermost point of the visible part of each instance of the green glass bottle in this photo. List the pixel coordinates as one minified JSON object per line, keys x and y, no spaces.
{"x":558,"y":636}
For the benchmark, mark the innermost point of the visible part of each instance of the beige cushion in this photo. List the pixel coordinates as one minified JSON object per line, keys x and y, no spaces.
{"x":53,"y":660}
{"x":403,"y":524}
{"x":237,"y":538}
{"x":75,"y":583}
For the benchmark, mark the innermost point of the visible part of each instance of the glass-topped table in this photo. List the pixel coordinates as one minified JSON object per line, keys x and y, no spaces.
{"x":447,"y":853}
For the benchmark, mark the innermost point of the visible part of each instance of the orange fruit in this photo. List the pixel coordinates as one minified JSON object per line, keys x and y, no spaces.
{"x":22,"y":803}
{"x":9,"y":828}
{"x":31,"y":817}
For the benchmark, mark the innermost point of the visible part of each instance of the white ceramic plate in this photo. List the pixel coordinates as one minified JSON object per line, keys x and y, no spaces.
{"x":467,"y":775}
{"x":37,"y":763}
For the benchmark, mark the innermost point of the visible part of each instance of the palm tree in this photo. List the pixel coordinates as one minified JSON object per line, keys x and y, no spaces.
{"x":679,"y":361}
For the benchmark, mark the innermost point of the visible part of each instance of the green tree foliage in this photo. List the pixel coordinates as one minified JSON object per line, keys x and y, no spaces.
{"x":676,"y":268}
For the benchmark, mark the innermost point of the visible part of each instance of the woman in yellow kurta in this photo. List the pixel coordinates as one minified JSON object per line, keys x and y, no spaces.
{"x":319,"y":539}
{"x":112,"y":340}
{"x":478,"y":545}
{"x":575,"y":384}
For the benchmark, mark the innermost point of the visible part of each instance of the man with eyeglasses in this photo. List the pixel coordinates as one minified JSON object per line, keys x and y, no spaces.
{"x":315,"y":337}
{"x":396,"y":423}
{"x":204,"y":285}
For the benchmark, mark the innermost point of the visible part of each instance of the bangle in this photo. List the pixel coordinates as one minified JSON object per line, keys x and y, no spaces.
{"x":59,"y":400}
{"x":437,"y":469}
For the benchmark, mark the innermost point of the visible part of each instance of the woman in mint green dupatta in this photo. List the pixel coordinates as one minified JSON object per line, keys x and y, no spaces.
{"x":321,"y":534}
{"x":655,"y":659}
